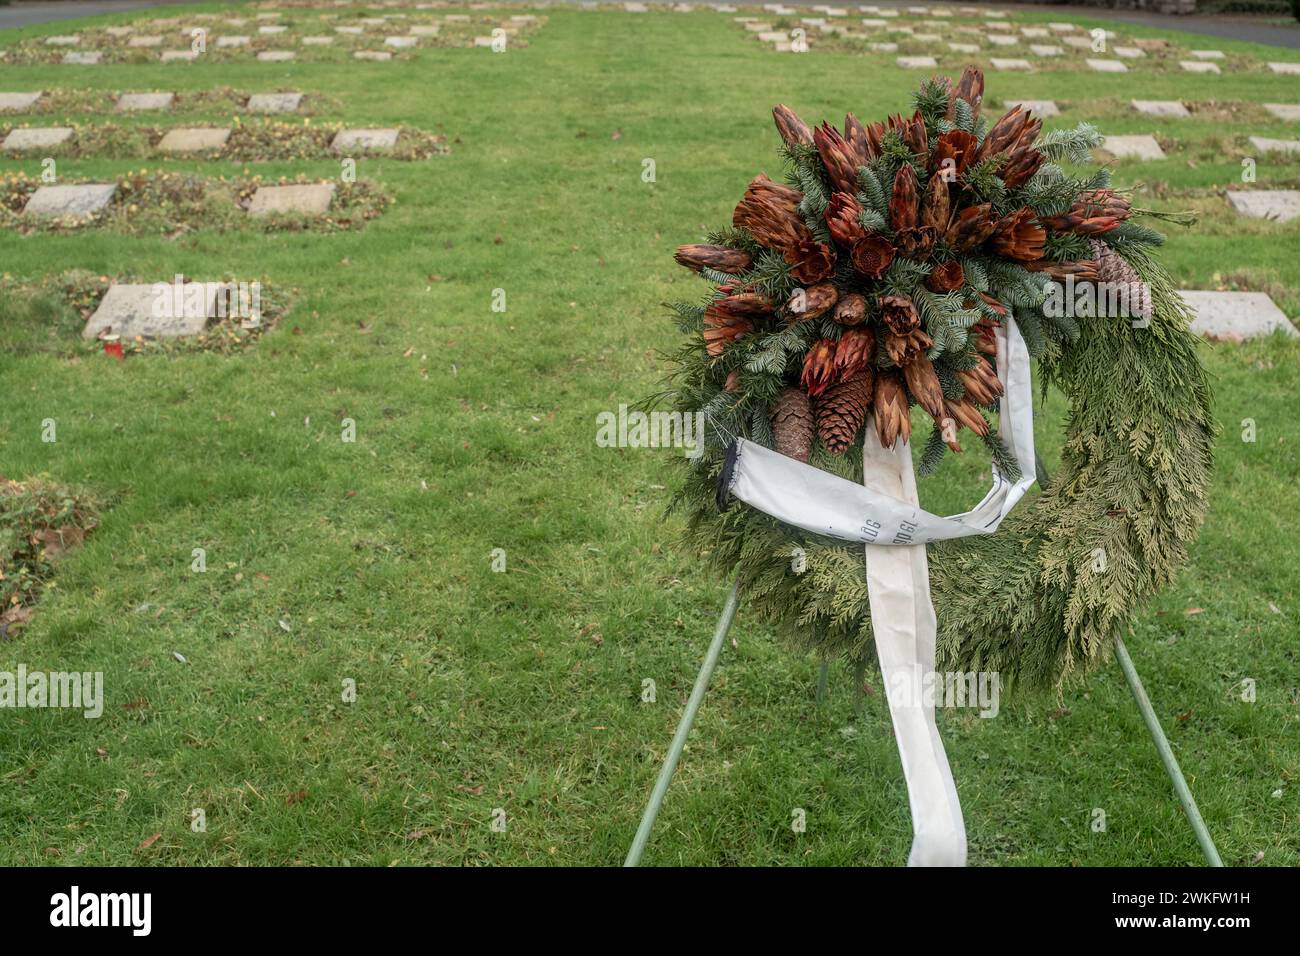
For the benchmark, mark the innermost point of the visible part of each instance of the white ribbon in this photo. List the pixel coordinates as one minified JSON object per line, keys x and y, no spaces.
{"x":884,"y":513}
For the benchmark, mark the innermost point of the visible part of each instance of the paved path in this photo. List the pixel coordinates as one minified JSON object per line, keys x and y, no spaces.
{"x":25,"y":14}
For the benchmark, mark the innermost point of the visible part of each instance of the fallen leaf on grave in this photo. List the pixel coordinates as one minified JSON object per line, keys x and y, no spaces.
{"x":263,"y":577}
{"x":284,"y":626}
{"x":149,"y":841}
{"x":1194,"y":610}
{"x":58,"y":542}
{"x":1274,"y":608}
{"x":180,"y":658}
{"x":296,"y":797}
{"x":138,"y":704}
{"x":100,"y":751}
{"x":350,"y":493}
{"x":1186,"y":716}
{"x":409,"y":352}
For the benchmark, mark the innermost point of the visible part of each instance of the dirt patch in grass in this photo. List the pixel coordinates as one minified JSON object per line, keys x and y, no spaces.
{"x":172,"y":204}
{"x":40,"y":521}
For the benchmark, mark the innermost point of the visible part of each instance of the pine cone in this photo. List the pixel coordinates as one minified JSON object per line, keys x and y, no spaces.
{"x":903,"y":201}
{"x":818,"y":368}
{"x":842,"y":411}
{"x":718,"y":258}
{"x":792,"y":424}
{"x":810,"y":303}
{"x":1114,"y":269}
{"x":923,"y":383}
{"x":851,"y":309}
{"x":838,"y":158}
{"x":793,"y":130}
{"x":853,"y":352}
{"x":890,"y":406}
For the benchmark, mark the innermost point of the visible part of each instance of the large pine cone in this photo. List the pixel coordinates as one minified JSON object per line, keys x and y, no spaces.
{"x":792,"y":424}
{"x":842,"y":411}
{"x":1114,"y":268}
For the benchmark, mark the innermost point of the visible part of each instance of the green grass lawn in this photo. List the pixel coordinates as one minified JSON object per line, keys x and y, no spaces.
{"x":522,"y":690}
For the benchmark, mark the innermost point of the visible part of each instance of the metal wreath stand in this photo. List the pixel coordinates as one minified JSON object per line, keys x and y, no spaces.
{"x":711,"y":661}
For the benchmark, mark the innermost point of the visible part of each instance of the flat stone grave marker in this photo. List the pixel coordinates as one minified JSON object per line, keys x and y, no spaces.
{"x":1000,"y":63}
{"x":1133,"y":147}
{"x":1207,"y":54}
{"x":130,"y":102}
{"x":1290,"y":68}
{"x":37,"y":137}
{"x":1079,"y":43}
{"x":1235,"y":316}
{"x":1280,"y":205}
{"x":119,"y":31}
{"x":154,"y":311}
{"x":53,"y":201}
{"x":964,"y":47}
{"x":1045,"y":50}
{"x":1196,"y":66}
{"x":365,"y":139}
{"x":274,"y":102}
{"x":350,"y":31}
{"x":773,"y":36}
{"x":312,"y":199}
{"x":1037,"y":107}
{"x":487,"y":41}
{"x":1129,"y":52}
{"x":757,"y":26}
{"x":1283,"y":111}
{"x":179,"y":56}
{"x":272,"y":29}
{"x":997,"y":26}
{"x":1266,"y":145}
{"x":193,"y":139}
{"x":372,"y":55}
{"x":917,"y":62}
{"x":920,"y":37}
{"x":402,"y":42}
{"x":72,"y":40}
{"x":1001,"y":40}
{"x":1035,"y":32}
{"x":424,"y":31}
{"x":873,"y":22}
{"x":151,"y":40}
{"x":883,"y":47}
{"x":1062,"y":27}
{"x":232,"y":41}
{"x":276,"y":56}
{"x":14,"y":102}
{"x":1160,"y":107}
{"x":1106,"y":66}
{"x":83,"y":57}
{"x":317,"y":41}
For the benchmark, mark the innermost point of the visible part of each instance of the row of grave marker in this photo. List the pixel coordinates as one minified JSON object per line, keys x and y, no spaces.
{"x":193,"y":139}
{"x":287,"y":102}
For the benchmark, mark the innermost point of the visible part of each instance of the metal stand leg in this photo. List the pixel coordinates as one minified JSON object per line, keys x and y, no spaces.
{"x":823,"y":678}
{"x":683,"y":729}
{"x":1167,"y":755}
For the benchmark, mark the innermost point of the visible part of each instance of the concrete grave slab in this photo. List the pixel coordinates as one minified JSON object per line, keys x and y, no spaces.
{"x":145,"y":41}
{"x":1079,"y":43}
{"x":1196,"y":66}
{"x":1128,"y":52}
{"x":350,"y":31}
{"x":317,"y":41}
{"x":402,"y":43}
{"x":1133,"y":147}
{"x":161,"y":310}
{"x":276,"y":56}
{"x":37,"y":137}
{"x":274,"y":102}
{"x":424,"y":31}
{"x":1035,"y":33}
{"x":1283,"y":111}
{"x":1000,"y":63}
{"x":232,"y":41}
{"x":1037,"y":107}
{"x":379,"y":55}
{"x":179,"y":56}
{"x":365,"y":139}
{"x":193,"y":139}
{"x":1207,"y":54}
{"x":1279,"y":205}
{"x":1266,"y":145}
{"x":1235,"y":316}
{"x":1292,"y":69}
{"x":119,"y":32}
{"x":17,"y":102}
{"x":964,"y":47}
{"x":1160,"y":107}
{"x":917,"y":62}
{"x":997,"y":40}
{"x":272,"y":30}
{"x":1106,"y":66}
{"x":52,"y":202}
{"x":883,"y":47}
{"x":306,"y":199}
{"x":131,"y":102}
{"x":83,"y":57}
{"x":1043,"y":49}
{"x":71,"y":40}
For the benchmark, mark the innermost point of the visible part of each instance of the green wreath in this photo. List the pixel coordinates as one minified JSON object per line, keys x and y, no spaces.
{"x":1043,"y":598}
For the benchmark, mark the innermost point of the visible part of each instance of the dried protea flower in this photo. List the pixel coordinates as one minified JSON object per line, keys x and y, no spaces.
{"x":984,"y":336}
{"x":902,"y":349}
{"x":872,"y":256}
{"x":914,"y":137}
{"x":899,"y":313}
{"x":838,"y":158}
{"x":923,"y":383}
{"x":810,"y":303}
{"x":916,"y":242}
{"x":732,"y":384}
{"x":851,"y":309}
{"x":967,"y":415}
{"x":903,"y":201}
{"x":842,"y":219}
{"x":812,"y":261}
{"x":1085,"y":270}
{"x":1017,"y":128}
{"x":853,"y":351}
{"x":981,"y":383}
{"x":947,"y":426}
{"x":855,"y":134}
{"x":934,"y":205}
{"x":946,"y":277}
{"x":969,"y":88}
{"x":770,"y":211}
{"x":793,"y":130}
{"x":1019,"y":237}
{"x":875,"y":131}
{"x":730,"y":317}
{"x":971,"y":226}
{"x":818,"y":367}
{"x":718,"y":258}
{"x":890,"y":406}
{"x":956,"y":145}
{"x":1020,"y":165}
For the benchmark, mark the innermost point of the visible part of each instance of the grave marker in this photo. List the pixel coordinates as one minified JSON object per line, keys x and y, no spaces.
{"x":51,"y":202}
